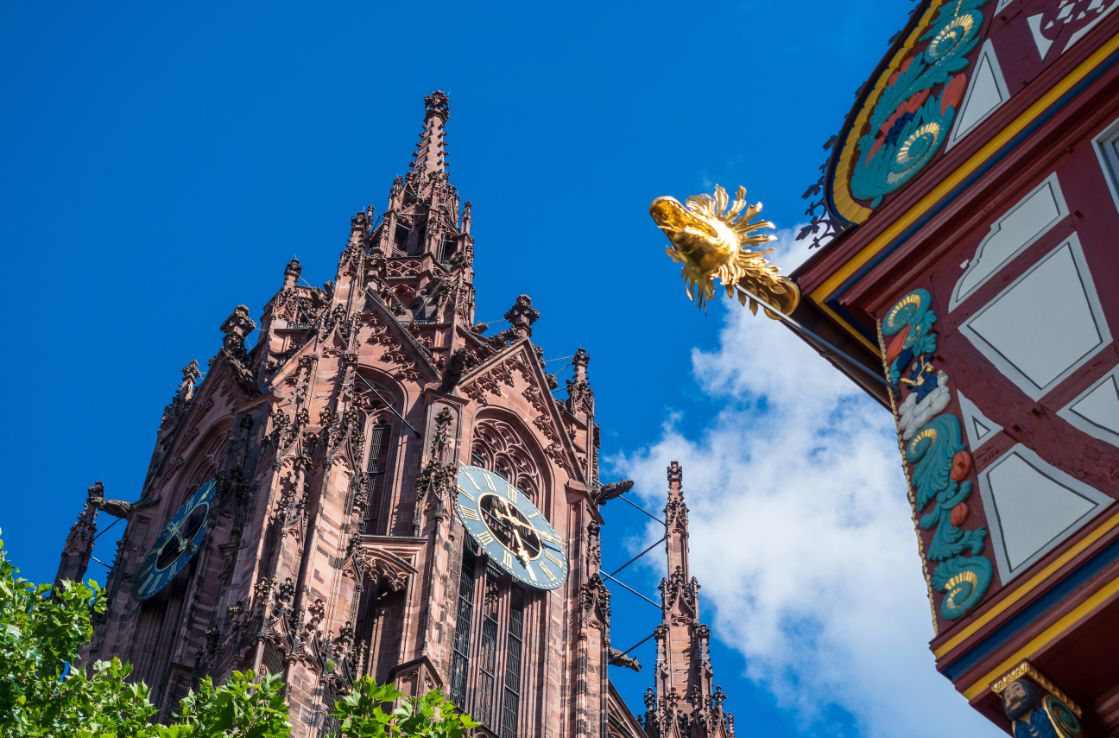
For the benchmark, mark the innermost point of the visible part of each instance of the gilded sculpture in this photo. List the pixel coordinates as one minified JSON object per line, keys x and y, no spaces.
{"x":715,"y":238}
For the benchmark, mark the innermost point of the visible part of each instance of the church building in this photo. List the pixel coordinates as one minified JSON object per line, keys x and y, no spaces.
{"x":378,"y":485}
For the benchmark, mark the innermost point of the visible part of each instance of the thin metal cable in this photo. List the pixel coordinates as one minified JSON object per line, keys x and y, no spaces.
{"x":829,"y":349}
{"x":631,"y":590}
{"x":635,"y":558}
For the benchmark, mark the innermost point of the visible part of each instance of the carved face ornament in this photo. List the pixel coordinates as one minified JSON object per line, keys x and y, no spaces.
{"x":715,"y":238}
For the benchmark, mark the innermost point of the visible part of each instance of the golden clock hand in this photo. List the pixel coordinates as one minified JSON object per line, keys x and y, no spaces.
{"x":521,"y":553}
{"x":517,"y":522}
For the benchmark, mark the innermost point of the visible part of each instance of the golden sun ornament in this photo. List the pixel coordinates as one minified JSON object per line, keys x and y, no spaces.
{"x":715,"y":238}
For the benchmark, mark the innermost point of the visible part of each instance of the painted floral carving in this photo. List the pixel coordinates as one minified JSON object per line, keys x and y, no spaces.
{"x":938,"y":461}
{"x":909,"y":112}
{"x":912,"y":118}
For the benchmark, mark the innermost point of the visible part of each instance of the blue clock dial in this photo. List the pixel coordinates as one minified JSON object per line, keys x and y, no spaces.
{"x":511,"y":530}
{"x":178,"y":543}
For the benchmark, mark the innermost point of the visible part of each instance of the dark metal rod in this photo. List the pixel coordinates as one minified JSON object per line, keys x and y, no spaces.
{"x":828,"y":348}
{"x":626,"y":500}
{"x":631,"y":590}
{"x":639,"y":643}
{"x":388,"y":405}
{"x":99,"y":561}
{"x":101,"y":533}
{"x":635,"y":558}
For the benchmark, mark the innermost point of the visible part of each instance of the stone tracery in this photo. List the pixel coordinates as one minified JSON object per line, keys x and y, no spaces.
{"x":499,"y":447}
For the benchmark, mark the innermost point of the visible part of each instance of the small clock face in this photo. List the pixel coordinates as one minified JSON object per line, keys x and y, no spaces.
{"x":178,"y":542}
{"x":514,"y":533}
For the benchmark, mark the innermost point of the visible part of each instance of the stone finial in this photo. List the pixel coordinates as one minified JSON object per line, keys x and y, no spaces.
{"x":359,"y":225}
{"x":292,"y":272}
{"x":236,"y":327}
{"x":580,"y":361}
{"x":521,"y":316}
{"x":675,"y":473}
{"x":437,"y":105}
{"x":191,"y":374}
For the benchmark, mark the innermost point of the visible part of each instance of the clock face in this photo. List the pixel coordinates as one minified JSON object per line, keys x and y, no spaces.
{"x":515,"y":535}
{"x":178,"y":542}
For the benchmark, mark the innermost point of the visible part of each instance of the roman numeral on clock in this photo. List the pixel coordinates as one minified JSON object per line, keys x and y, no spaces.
{"x":469,"y":513}
{"x":547,"y":572}
{"x":506,"y":558}
{"x":486,"y":538}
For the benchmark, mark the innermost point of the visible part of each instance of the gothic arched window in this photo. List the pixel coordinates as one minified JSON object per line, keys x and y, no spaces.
{"x":488,"y":650}
{"x":380,"y":440}
{"x":490,"y":634}
{"x":498,"y":447}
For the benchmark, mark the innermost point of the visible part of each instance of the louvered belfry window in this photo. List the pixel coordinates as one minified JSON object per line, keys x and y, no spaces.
{"x":460,"y":661}
{"x":376,"y":470}
{"x":514,"y":652}
{"x":487,"y":656}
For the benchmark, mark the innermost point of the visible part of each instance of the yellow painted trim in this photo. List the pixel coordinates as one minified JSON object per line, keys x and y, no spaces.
{"x":858,"y":336}
{"x":946,"y":185}
{"x":1030,"y":584}
{"x":1044,"y":638}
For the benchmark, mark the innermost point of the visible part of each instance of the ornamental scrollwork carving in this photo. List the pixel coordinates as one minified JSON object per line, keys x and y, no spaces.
{"x":906,"y":117}
{"x":938,"y":462}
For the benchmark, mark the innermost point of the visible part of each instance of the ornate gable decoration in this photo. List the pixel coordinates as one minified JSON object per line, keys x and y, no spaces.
{"x":495,"y":377}
{"x":399,"y":348}
{"x":906,"y":116}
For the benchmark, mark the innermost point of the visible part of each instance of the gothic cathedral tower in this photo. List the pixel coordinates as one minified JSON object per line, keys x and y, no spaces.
{"x":299,"y":515}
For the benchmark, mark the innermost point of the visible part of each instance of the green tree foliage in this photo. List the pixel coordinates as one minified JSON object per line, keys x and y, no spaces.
{"x":370,"y":710}
{"x":45,"y":692}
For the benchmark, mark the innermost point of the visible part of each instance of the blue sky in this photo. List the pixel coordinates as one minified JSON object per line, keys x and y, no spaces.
{"x":161,"y":166}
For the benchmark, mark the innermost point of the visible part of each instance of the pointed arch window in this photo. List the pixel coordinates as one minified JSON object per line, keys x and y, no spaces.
{"x":514,"y":653}
{"x":460,"y":660}
{"x":498,"y":447}
{"x":401,"y":236}
{"x":488,"y":651}
{"x":377,"y":479}
{"x":446,"y":250}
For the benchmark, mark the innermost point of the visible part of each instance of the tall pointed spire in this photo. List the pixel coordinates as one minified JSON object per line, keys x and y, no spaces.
{"x":431,"y":153}
{"x":685,"y":702}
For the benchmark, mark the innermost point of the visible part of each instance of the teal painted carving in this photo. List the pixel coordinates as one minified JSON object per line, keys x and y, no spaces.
{"x":914,"y":114}
{"x":938,"y":460}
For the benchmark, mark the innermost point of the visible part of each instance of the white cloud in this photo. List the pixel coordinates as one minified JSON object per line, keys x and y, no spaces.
{"x":801,"y":534}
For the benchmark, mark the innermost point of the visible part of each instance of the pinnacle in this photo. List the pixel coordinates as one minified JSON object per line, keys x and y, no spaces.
{"x":430,"y":156}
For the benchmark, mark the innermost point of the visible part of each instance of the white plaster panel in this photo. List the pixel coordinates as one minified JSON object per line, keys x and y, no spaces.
{"x":1045,"y":324}
{"x":1096,"y":410}
{"x":979,"y":427}
{"x":985,"y":92}
{"x":1018,"y":229}
{"x":1032,"y":507}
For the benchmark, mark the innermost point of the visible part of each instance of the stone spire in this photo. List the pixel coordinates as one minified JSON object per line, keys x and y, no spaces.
{"x":431,"y":153}
{"x":79,"y":544}
{"x":685,"y":703}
